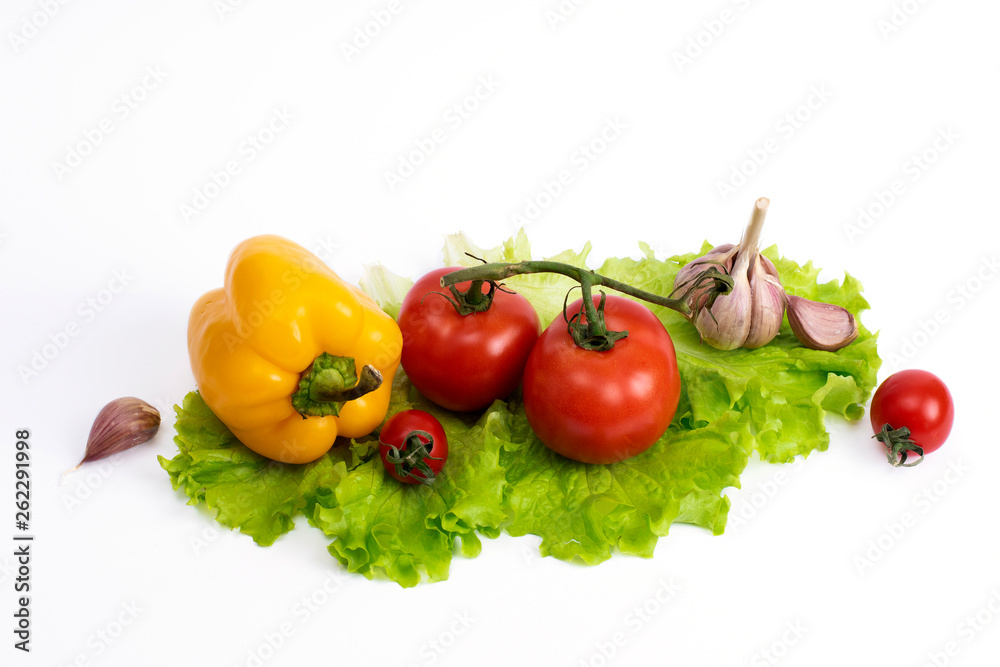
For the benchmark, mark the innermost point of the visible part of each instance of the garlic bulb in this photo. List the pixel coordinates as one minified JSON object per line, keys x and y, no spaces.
{"x":750,"y":315}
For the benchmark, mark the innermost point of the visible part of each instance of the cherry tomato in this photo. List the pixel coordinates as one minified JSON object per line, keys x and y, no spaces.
{"x":603,"y":407}
{"x":912,"y":412}
{"x":413,"y":447}
{"x":464,"y":362}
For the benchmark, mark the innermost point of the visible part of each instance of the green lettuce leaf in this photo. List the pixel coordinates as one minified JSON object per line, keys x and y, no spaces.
{"x":409,"y":531}
{"x":245,"y":490}
{"x":587,"y":511}
{"x":500,"y":478}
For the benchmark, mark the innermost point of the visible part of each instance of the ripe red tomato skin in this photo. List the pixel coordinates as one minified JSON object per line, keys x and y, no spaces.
{"x":603,"y":407}
{"x":464,"y":362}
{"x":917,"y":400}
{"x":401,"y":424}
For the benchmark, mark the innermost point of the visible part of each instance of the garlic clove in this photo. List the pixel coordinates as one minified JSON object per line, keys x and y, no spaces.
{"x":767,"y":305}
{"x":726,"y":324}
{"x":820,"y":326}
{"x":769,"y":268}
{"x":121,"y":424}
{"x":720,"y":257}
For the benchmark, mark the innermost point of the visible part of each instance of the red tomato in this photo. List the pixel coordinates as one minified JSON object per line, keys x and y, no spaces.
{"x":603,"y":407}
{"x":915,"y":400}
{"x":420,"y":443}
{"x":464,"y":362}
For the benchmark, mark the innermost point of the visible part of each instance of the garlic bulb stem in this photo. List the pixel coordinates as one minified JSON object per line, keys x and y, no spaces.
{"x":750,"y":243}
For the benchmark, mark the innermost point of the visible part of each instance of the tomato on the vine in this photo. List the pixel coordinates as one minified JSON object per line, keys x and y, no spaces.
{"x":603,"y":406}
{"x":912,"y":412}
{"x":413,"y":447}
{"x":464,"y":362}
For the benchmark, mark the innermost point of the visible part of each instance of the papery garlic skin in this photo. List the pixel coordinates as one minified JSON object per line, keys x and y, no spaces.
{"x":726,"y":324}
{"x":720,"y":257}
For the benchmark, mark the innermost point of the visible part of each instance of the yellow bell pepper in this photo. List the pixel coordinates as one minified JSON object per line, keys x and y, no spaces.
{"x":253,"y":344}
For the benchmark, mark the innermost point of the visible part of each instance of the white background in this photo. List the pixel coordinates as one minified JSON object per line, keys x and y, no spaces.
{"x":837,"y":102}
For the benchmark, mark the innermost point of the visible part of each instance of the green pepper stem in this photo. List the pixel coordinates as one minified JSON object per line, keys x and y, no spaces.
{"x":329,"y":383}
{"x":369,"y":381}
